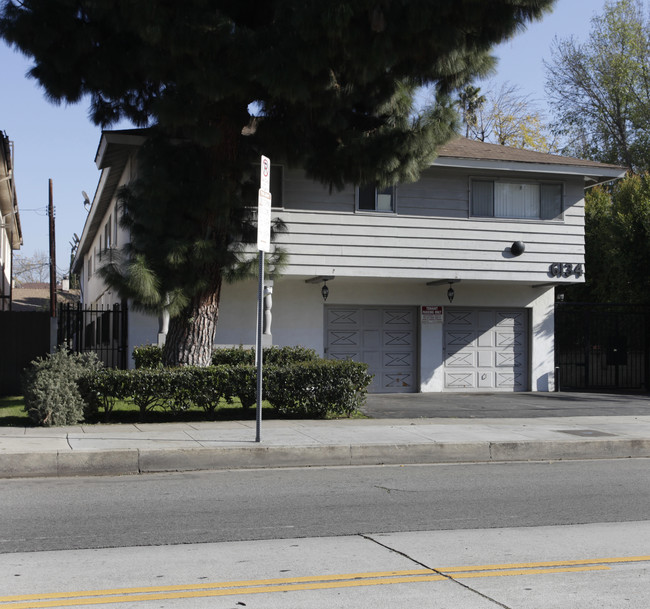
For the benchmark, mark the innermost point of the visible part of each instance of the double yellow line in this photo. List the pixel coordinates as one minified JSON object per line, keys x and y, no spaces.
{"x":319,"y":582}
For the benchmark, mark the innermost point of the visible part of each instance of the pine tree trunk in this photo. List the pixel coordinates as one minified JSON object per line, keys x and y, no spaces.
{"x":191,"y":334}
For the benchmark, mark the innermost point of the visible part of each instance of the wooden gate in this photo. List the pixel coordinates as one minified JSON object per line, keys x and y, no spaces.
{"x":24,"y":336}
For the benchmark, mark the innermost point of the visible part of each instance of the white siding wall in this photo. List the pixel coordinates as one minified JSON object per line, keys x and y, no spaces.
{"x":94,"y":290}
{"x":5,"y":264}
{"x":431,"y":236}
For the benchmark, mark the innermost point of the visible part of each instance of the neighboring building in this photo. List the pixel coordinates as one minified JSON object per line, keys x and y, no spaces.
{"x":10,"y":233}
{"x":36,"y":296}
{"x":446,"y":284}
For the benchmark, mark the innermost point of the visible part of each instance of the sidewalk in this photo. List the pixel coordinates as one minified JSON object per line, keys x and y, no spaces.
{"x":147,"y":448}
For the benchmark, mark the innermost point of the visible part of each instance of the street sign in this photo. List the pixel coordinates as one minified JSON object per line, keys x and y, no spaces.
{"x":265,"y":173}
{"x":264,"y":221}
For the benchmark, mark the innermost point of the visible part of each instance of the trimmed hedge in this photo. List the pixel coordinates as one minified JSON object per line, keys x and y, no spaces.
{"x":65,"y":388}
{"x":317,"y":388}
{"x":308,"y":389}
{"x":150,"y":356}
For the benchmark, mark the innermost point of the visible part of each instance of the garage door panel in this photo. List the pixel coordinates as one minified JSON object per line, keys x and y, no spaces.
{"x":342,"y":338}
{"x":485,"y":339}
{"x":392,"y":338}
{"x":398,"y":317}
{"x":486,"y":349}
{"x":400,"y":381}
{"x":385,"y":338}
{"x":485,"y":359}
{"x":343,"y":317}
{"x":461,"y":359}
{"x":396,"y":359}
{"x":510,"y":318}
{"x":372,"y":339}
{"x":460,"y":339}
{"x":459,"y":380}
{"x":485,"y":319}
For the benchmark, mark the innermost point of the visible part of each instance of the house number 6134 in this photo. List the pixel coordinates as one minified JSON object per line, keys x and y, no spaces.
{"x":565,"y":269}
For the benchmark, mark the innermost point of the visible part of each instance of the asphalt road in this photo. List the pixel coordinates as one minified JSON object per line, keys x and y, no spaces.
{"x":152,"y":510}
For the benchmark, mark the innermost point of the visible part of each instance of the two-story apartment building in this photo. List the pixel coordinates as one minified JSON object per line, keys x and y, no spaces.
{"x":445,"y":284}
{"x":10,"y":233}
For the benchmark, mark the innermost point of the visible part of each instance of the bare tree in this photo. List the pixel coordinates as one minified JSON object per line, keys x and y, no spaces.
{"x":507,"y":116}
{"x":31,"y":269}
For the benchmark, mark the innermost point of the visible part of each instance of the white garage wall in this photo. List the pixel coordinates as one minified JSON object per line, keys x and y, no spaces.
{"x":298,"y":316}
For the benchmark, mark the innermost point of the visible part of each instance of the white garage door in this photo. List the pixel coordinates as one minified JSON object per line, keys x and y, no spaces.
{"x":486,"y":349}
{"x":382,"y":337}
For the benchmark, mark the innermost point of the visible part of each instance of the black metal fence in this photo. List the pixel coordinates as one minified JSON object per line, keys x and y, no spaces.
{"x":100,"y":329}
{"x":600,"y":347}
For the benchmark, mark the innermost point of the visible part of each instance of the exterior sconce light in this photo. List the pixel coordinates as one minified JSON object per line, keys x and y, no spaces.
{"x":517,"y":248}
{"x":450,"y":293}
{"x":325,"y":291}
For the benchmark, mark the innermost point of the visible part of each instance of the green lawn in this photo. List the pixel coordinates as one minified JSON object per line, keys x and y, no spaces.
{"x":13,"y":415}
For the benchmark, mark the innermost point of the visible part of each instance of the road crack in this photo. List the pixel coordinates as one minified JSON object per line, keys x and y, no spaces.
{"x":434,"y":570}
{"x":396,"y":490}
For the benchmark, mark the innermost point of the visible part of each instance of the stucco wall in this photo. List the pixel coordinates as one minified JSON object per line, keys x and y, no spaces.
{"x":299,"y":313}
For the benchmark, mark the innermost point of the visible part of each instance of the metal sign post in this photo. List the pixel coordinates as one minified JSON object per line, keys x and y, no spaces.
{"x":263,"y":245}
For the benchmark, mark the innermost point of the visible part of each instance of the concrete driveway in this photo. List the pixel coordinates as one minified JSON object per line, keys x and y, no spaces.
{"x":507,"y":405}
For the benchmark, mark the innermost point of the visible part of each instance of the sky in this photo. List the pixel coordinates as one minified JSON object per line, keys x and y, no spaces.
{"x":59,"y":142}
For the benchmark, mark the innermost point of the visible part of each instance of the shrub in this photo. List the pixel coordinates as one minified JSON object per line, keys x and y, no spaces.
{"x":241,"y":382}
{"x":233,"y":356}
{"x":318,"y":388}
{"x":149,"y":388}
{"x":273,"y":356}
{"x":206,"y":386}
{"x":147,"y":356}
{"x":51,"y":387}
{"x":107,"y":385}
{"x":286,"y":356}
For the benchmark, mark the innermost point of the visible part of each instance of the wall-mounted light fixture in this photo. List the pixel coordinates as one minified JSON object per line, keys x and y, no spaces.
{"x":517,"y":248}
{"x":450,"y":293}
{"x":325,"y":291}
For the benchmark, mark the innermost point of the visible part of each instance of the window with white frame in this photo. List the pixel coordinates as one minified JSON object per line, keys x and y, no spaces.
{"x":524,"y":200}
{"x":371,"y":198}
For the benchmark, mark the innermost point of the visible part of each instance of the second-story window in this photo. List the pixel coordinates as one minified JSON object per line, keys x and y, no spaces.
{"x":370,"y":198}
{"x":523,"y":200}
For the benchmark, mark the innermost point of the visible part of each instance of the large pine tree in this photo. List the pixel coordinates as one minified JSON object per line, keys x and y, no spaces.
{"x":333,"y":83}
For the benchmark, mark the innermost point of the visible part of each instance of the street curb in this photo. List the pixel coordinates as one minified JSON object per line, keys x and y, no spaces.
{"x":141,"y":461}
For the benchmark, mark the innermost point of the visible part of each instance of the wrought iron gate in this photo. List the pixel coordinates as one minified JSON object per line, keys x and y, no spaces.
{"x":99,"y":329}
{"x":602,"y":346}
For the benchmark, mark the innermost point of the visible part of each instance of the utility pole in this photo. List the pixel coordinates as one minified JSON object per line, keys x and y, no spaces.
{"x":50,"y":211}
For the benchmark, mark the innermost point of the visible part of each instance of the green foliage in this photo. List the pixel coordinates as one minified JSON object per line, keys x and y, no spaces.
{"x":304,"y":386}
{"x":504,"y":116}
{"x":149,"y":388}
{"x":147,"y":356}
{"x":318,"y":388}
{"x":107,"y":386}
{"x":51,"y":387}
{"x":617,"y":243}
{"x":233,"y":356}
{"x":274,"y":356}
{"x":600,"y":90}
{"x":333,"y":86}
